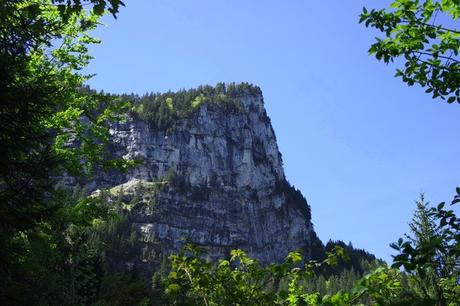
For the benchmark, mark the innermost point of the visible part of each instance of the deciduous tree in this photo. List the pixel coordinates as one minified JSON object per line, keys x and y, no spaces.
{"x":43,"y":107}
{"x":425,"y":35}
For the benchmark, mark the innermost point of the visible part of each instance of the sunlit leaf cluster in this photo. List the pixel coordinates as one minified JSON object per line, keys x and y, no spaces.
{"x":426,"y":36}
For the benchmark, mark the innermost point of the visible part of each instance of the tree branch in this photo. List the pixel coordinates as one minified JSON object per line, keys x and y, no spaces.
{"x":448,"y":58}
{"x":431,"y":25}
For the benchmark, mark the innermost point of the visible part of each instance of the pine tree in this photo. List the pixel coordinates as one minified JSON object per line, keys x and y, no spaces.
{"x":430,"y":253}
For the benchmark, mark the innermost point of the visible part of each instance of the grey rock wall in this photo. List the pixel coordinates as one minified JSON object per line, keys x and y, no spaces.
{"x":230,"y":190}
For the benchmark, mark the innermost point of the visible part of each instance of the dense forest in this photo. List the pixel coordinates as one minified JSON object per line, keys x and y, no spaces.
{"x":161,"y":110}
{"x":56,"y":242}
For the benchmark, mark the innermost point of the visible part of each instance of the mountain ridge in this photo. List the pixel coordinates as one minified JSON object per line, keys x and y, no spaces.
{"x":210,"y":173}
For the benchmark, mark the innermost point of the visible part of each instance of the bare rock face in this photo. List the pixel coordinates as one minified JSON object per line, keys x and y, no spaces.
{"x":215,"y":179}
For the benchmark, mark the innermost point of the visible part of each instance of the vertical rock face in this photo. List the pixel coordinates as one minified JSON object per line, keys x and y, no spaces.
{"x":215,"y":179}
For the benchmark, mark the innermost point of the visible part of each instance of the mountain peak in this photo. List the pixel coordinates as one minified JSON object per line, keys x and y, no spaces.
{"x":210,"y":171}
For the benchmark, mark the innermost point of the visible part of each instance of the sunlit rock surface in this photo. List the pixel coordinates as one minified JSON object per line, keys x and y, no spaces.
{"x":227,"y":190}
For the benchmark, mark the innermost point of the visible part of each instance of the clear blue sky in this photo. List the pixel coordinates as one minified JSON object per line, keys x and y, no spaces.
{"x":357,"y":142}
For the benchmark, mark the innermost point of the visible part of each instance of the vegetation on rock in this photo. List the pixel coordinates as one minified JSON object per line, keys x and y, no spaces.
{"x":56,"y":245}
{"x":163,"y":110}
{"x":430,"y":275}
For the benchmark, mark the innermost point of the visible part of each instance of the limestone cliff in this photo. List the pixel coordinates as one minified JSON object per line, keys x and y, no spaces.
{"x":214,"y":176}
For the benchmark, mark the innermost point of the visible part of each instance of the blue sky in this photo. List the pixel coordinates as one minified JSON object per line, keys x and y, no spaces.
{"x":357,"y":142}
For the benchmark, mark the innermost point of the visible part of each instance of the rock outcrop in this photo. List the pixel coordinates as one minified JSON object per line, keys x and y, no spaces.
{"x":214,"y":178}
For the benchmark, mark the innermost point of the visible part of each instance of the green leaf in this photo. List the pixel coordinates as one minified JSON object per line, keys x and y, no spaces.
{"x":172,"y":289}
{"x":441,"y":205}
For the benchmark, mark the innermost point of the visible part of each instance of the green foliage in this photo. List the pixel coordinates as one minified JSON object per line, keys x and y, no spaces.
{"x":430,"y":260}
{"x":50,"y":126}
{"x":122,"y":289}
{"x":176,"y":180}
{"x":163,"y":110}
{"x":430,"y":49}
{"x":357,"y":260}
{"x":431,"y":256}
{"x":240,"y":280}
{"x":55,"y":245}
{"x":68,"y":8}
{"x":294,"y":197}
